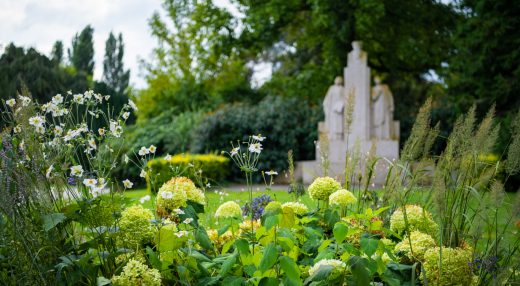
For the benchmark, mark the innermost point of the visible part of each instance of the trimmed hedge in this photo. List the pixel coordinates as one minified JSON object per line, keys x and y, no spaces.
{"x":215,"y":168}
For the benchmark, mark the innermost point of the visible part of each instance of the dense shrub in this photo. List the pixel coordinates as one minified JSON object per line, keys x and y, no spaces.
{"x":289,"y":123}
{"x":214,"y":168}
{"x":168,"y":132}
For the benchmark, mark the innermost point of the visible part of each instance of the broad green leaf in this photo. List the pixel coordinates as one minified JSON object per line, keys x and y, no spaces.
{"x":223,"y":229}
{"x":228,"y":264}
{"x":361,"y":275}
{"x":321,"y":274}
{"x":340,"y":232}
{"x":331,"y":217}
{"x":154,"y":260}
{"x":286,"y":243}
{"x":270,"y":254}
{"x":227,"y":246}
{"x":233,"y":281}
{"x":290,"y":268}
{"x":287,"y":219}
{"x":202,"y":238}
{"x":52,"y":220}
{"x":270,"y":221}
{"x":324,"y":244}
{"x":268,"y":281}
{"x":243,"y":246}
{"x":369,"y":245}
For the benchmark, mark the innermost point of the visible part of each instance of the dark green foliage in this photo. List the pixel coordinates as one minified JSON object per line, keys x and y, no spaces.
{"x":19,"y":67}
{"x":57,"y":52}
{"x":114,"y":74}
{"x":288,"y":123}
{"x":81,"y":55}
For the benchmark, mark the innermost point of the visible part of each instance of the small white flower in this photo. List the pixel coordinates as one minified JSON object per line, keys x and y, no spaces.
{"x":92,"y":143}
{"x":39,"y":129}
{"x":76,"y":171}
{"x":181,"y":233}
{"x":101,"y":131}
{"x":96,"y":191}
{"x":178,"y":211}
{"x":143,"y":151}
{"x":48,"y":173}
{"x":98,"y":97}
{"x":234,"y":151}
{"x":25,"y":100}
{"x":57,"y":99}
{"x":152,"y":149}
{"x":36,"y":121}
{"x":90,"y":182}
{"x":271,"y":173}
{"x":144,"y":199}
{"x":17,"y":129}
{"x":107,"y":97}
{"x":255,"y":148}
{"x":10,"y":102}
{"x":208,"y":185}
{"x":78,"y":98}
{"x":258,"y":137}
{"x":58,"y":130}
{"x":127,"y":184}
{"x":142,"y":174}
{"x":132,"y":105}
{"x":167,"y":195}
{"x":126,"y":115}
{"x":188,"y":220}
{"x":126,"y":159}
{"x":168,"y":157}
{"x":116,"y":129}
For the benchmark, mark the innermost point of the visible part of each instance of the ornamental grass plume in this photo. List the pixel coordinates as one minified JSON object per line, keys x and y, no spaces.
{"x":342,"y":198}
{"x":416,"y":219}
{"x":297,"y":207}
{"x":455,"y":267}
{"x":229,"y":210}
{"x":137,"y":273}
{"x":323,"y":187}
{"x":420,"y":243}
{"x":338,"y":267}
{"x":135,"y":226}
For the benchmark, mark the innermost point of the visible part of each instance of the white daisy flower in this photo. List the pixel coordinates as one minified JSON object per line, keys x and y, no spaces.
{"x":126,"y":159}
{"x":78,"y":98}
{"x":127,"y":184}
{"x":57,"y":99}
{"x":17,"y":129}
{"x":36,"y":121}
{"x":126,"y":115}
{"x":142,"y":174}
{"x":234,"y":151}
{"x":168,"y":157}
{"x":152,"y":149}
{"x":25,"y":100}
{"x":144,"y":199}
{"x":76,"y":171}
{"x":255,"y":148}
{"x":92,"y":143}
{"x":271,"y":173}
{"x":90,"y":182}
{"x":39,"y":129}
{"x":101,"y":131}
{"x":258,"y":137}
{"x":11,"y":102}
{"x":143,"y":151}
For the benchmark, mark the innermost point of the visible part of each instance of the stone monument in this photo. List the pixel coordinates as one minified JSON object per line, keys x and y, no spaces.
{"x":371,"y":121}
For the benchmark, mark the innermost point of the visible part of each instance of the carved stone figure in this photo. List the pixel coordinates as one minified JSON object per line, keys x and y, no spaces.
{"x":382,"y":111}
{"x":333,"y":107}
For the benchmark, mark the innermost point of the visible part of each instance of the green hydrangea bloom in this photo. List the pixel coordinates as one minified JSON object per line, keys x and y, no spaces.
{"x":135,"y":226}
{"x":170,"y":197}
{"x":228,"y":210}
{"x":418,"y":219}
{"x":297,"y":208}
{"x":420,"y":243}
{"x":192,"y":192}
{"x":342,"y":198}
{"x":137,"y":273}
{"x":339,"y":267}
{"x":322,"y":187}
{"x":455,"y":267}
{"x":273,"y":207}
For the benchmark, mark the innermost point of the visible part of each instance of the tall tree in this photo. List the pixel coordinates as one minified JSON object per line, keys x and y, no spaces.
{"x":82,"y":53}
{"x":57,"y":52}
{"x":114,"y":74}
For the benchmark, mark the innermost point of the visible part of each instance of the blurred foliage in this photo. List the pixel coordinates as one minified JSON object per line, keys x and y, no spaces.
{"x":288,"y":123}
{"x":215,"y":168}
{"x":169,"y":132}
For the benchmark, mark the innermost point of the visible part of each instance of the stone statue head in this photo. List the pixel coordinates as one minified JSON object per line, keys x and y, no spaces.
{"x":377,"y":80}
{"x":338,"y":80}
{"x":357,"y":46}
